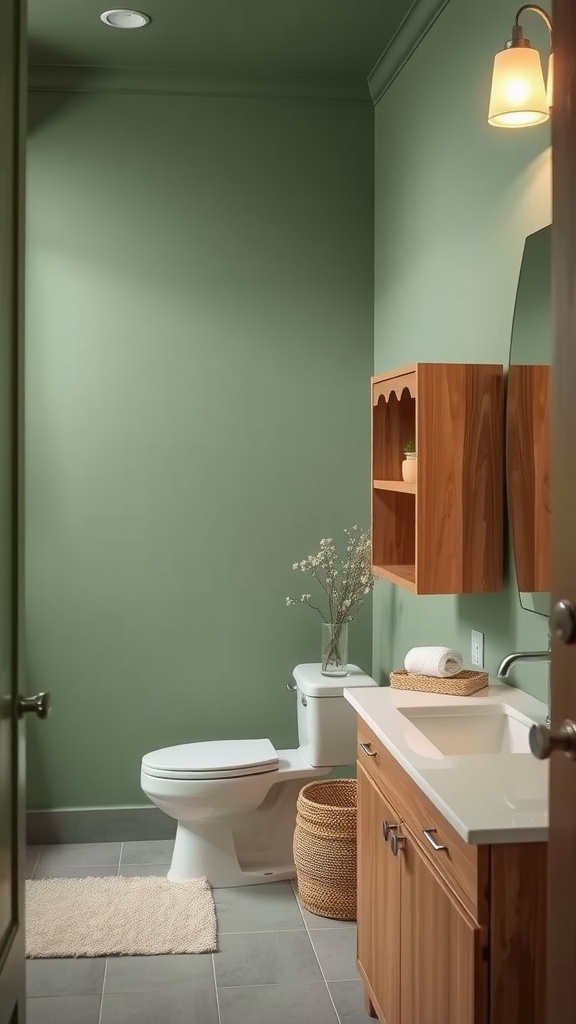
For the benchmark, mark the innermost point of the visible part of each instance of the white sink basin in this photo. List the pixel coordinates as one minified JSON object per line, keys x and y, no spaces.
{"x":486,"y":729}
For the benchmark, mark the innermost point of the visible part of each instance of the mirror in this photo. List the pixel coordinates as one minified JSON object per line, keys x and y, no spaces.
{"x":528,"y":441}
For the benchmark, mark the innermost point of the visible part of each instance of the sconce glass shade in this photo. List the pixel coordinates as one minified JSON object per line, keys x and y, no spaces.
{"x":550,"y":82}
{"x":518,"y":96}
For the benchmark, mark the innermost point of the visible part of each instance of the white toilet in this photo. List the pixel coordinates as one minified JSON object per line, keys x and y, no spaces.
{"x":235,"y":800}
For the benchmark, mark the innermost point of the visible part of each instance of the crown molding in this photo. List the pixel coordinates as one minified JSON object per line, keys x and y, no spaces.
{"x":416,"y":24}
{"x":165,"y":81}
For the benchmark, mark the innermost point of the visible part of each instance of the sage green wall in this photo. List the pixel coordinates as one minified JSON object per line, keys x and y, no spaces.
{"x":200,"y":337}
{"x":455,"y":200}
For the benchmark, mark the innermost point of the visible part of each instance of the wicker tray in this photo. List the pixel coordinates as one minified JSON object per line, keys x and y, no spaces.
{"x":462,"y":685}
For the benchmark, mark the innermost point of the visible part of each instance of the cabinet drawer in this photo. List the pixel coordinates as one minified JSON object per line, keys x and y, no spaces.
{"x":463,"y":867}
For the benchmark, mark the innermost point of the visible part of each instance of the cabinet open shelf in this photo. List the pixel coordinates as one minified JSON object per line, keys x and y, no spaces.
{"x":442,"y":534}
{"x":404,"y":575}
{"x":394,"y":485}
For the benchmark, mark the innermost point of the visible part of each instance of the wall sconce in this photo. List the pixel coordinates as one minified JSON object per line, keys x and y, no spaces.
{"x":519,"y":97}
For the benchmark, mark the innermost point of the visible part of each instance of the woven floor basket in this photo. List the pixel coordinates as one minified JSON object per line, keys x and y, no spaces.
{"x":462,"y":685}
{"x":325,"y":848}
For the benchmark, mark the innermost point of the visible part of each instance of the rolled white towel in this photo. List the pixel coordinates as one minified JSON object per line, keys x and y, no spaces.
{"x":433,"y":661}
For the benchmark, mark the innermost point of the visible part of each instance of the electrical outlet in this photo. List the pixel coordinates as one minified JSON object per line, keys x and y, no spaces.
{"x":477,"y":639}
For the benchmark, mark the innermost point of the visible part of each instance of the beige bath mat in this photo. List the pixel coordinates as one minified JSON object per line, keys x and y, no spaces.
{"x":118,"y":916}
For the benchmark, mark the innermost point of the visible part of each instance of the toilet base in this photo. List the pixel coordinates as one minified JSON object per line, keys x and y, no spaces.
{"x":247,"y":850}
{"x":210,"y":852}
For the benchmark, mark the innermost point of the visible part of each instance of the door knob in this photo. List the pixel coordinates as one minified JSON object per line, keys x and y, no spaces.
{"x":563,"y":622}
{"x":39,"y":705}
{"x":545,"y":739}
{"x":396,"y":842}
{"x":388,"y":828}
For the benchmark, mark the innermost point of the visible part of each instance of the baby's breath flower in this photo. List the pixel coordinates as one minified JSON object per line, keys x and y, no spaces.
{"x":343,"y":581}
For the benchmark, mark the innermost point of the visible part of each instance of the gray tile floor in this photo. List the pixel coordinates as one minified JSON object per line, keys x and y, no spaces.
{"x":277,"y":964}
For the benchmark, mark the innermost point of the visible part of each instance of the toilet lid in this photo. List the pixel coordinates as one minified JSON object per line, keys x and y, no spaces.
{"x":217,"y":759}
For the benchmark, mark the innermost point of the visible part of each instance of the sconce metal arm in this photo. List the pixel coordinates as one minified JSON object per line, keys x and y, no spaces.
{"x":537,"y":10}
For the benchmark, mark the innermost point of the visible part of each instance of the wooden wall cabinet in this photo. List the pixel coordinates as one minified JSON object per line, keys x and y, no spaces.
{"x":449,"y":936}
{"x":528,"y":456}
{"x":443,"y":534}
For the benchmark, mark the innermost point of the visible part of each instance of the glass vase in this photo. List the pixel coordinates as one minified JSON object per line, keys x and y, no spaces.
{"x":334,"y":649}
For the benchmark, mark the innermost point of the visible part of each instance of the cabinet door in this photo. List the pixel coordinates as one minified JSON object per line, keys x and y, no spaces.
{"x":443,"y":976}
{"x":378,"y":901}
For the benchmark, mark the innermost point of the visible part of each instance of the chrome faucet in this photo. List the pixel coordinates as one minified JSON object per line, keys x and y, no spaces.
{"x":511,"y":659}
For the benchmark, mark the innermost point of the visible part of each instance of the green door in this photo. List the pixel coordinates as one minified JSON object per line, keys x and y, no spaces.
{"x":12,"y":28}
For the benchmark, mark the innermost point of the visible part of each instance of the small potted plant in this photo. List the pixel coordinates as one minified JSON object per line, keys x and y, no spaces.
{"x":410,"y":463}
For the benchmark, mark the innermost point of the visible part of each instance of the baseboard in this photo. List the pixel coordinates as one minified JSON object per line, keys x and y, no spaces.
{"x":102,"y":825}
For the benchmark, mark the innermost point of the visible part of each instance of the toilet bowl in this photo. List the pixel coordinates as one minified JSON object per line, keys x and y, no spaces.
{"x":235,"y":800}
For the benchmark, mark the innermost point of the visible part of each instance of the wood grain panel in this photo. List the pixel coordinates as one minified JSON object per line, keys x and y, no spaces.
{"x":440,"y":420}
{"x":459,"y":517}
{"x":378,"y":902}
{"x":464,"y":867}
{"x":483,"y":480}
{"x":528,"y":455}
{"x":444,"y":977}
{"x":369,"y":997}
{"x":518,"y":933}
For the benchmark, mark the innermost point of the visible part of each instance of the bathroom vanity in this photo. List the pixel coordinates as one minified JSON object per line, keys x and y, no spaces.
{"x":452,"y":831}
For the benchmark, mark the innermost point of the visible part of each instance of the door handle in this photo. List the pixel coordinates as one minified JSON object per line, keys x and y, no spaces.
{"x":545,"y":739}
{"x":38,"y":705}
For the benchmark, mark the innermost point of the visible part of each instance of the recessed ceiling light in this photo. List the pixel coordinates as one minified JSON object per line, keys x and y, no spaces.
{"x":121,"y":18}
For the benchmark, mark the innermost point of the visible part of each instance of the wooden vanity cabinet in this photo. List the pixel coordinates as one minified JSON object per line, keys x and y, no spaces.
{"x":378,"y":901}
{"x":418,"y":949}
{"x":441,"y":952}
{"x":448,"y":936}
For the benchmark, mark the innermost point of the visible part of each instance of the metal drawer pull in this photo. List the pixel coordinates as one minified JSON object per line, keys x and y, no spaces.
{"x":387,"y":828}
{"x":366,"y":748}
{"x":428,"y":833}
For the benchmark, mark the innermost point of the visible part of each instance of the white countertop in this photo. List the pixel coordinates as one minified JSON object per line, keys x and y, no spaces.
{"x":487,"y":798}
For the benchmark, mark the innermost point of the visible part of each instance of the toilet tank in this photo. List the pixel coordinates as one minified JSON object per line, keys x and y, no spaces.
{"x":326,"y":721}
